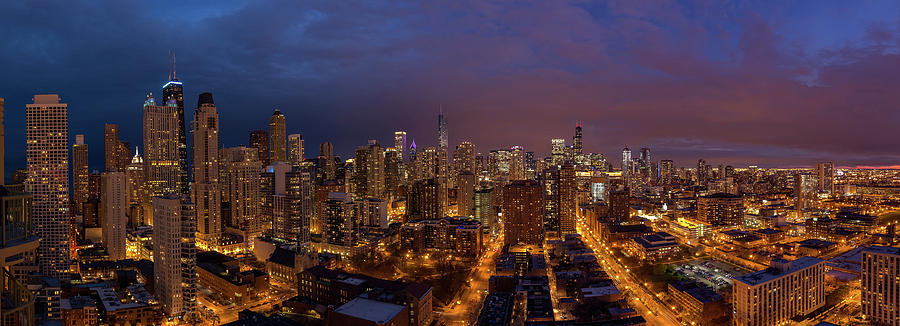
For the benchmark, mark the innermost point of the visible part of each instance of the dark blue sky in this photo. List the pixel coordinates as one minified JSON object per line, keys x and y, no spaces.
{"x":767,"y":83}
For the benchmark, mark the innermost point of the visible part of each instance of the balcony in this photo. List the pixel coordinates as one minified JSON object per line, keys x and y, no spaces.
{"x":17,"y":302}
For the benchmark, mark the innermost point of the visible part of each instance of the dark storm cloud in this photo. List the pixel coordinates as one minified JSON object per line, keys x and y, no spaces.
{"x":732,"y":82}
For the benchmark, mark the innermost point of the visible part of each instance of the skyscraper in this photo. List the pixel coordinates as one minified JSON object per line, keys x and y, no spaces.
{"x":161,"y":149}
{"x":443,"y":141}
{"x":173,"y":91}
{"x":290,"y":191}
{"x":880,"y":285}
{"x":484,"y":209}
{"x":666,"y":172}
{"x":517,"y":163}
{"x":80,"y":172}
{"x":702,"y":173}
{"x":116,"y":153}
{"x":296,"y":152}
{"x":244,"y":186}
{"x":259,"y":139}
{"x":464,"y":158}
{"x":568,"y":200}
{"x":114,"y":206}
{"x":393,"y":169}
{"x":645,"y":157}
{"x":2,"y":145}
{"x":626,"y":165}
{"x":368,"y":172}
{"x":174,"y":254}
{"x":465,"y":196}
{"x":400,"y":145}
{"x":338,"y":226}
{"x":134,"y":188}
{"x":825,"y":172}
{"x":576,"y":141}
{"x":805,"y":191}
{"x":47,"y":152}
{"x":557,"y":151}
{"x":522,"y":213}
{"x":277,"y":138}
{"x":326,"y":155}
{"x":207,"y":195}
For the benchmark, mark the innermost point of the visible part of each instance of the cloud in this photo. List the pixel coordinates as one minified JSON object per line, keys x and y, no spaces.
{"x":725,"y":75}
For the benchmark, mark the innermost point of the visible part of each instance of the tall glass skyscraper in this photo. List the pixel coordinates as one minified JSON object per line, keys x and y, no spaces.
{"x":172,"y":90}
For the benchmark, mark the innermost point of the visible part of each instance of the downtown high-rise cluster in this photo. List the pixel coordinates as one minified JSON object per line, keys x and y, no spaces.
{"x":181,"y":228}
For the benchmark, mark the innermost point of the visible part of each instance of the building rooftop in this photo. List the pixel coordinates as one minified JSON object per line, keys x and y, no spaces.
{"x":599,"y":291}
{"x":371,"y":310}
{"x":771,"y":273}
{"x":698,"y":291}
{"x":111,"y":301}
{"x":883,"y":250}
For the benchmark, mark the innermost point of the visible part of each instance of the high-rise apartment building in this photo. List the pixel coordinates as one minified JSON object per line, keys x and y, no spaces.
{"x":825,"y":172}
{"x":522,"y":213}
{"x":80,"y":172}
{"x":368,"y":171}
{"x":400,"y":145}
{"x":806,"y":186}
{"x":393,"y":170}
{"x":17,"y":239}
{"x":465,"y":195}
{"x":277,"y":138}
{"x":2,"y":145}
{"x":484,"y":209}
{"x":174,"y":254}
{"x":464,"y":158}
{"x":775,"y":295}
{"x":206,"y":189}
{"x":296,"y":151}
{"x":880,"y":285}
{"x":326,"y":156}
{"x":259,"y":139}
{"x":339,"y":225}
{"x":517,"y":163}
{"x":290,"y":191}
{"x":115,"y":204}
{"x":424,"y":200}
{"x":116,"y":153}
{"x":47,"y":153}
{"x":244,"y":184}
{"x":721,"y":209}
{"x":568,"y":199}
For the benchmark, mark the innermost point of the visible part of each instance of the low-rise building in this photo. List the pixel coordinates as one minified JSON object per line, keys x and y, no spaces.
{"x":335,"y":287}
{"x":654,"y":246}
{"x":222,"y":274}
{"x":79,"y":310}
{"x":699,"y":304}
{"x":365,"y":312}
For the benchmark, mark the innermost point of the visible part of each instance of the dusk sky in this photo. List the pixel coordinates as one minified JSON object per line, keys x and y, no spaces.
{"x":782,"y":83}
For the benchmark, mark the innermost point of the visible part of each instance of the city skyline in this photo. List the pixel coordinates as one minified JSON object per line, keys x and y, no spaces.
{"x":801,"y":87}
{"x":614,"y":162}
